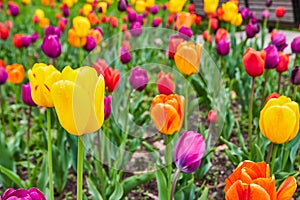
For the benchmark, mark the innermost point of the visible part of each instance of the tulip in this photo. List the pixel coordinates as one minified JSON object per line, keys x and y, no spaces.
{"x":174,"y":42}
{"x":156,"y":22}
{"x":26,"y":95}
{"x":268,"y":3}
{"x":26,"y":41}
{"x":81,"y":26}
{"x":140,"y":18}
{"x":280,"y":11}
{"x":26,"y":2}
{"x":283,"y":64}
{"x":138,"y":78}
{"x":198,"y":20}
{"x":252,"y":30}
{"x":273,"y":95}
{"x":3,"y":75}
{"x":75,"y":40}
{"x":245,"y":13}
{"x":100,"y":65}
{"x":167,"y":113}
{"x":41,"y":78}
{"x":122,"y":5}
{"x":212,"y":116}
{"x":17,"y":40}
{"x":34,"y":37}
{"x":230,"y":10}
{"x":295,"y":75}
{"x":188,"y":57}
{"x":113,"y":21}
{"x":272,"y":57}
{"x":131,"y":16}
{"x":191,"y":8}
{"x":258,"y":185}
{"x":107,"y":106}
{"x":4,"y":32}
{"x":16,"y":73}
{"x":65,"y":10}
{"x":279,"y":40}
{"x":78,"y":99}
{"x":210,"y":6}
{"x":140,"y":6}
{"x":165,"y":83}
{"x":189,"y":151}
{"x":87,"y":8}
{"x":265,"y":14}
{"x":176,"y":6}
{"x":206,"y":36}
{"x":136,"y":29}
{"x":253,"y":62}
{"x":154,"y":9}
{"x":2,"y":63}
{"x":279,"y":120}
{"x":214,"y":23}
{"x":124,"y":56}
{"x":90,"y":43}
{"x":223,"y":47}
{"x":221,"y":34}
{"x":237,"y":20}
{"x":185,"y":19}
{"x":295,"y":45}
{"x":13,"y":8}
{"x":52,"y":30}
{"x":51,"y":46}
{"x":111,"y":77}
{"x":186,"y":32}
{"x":30,"y":194}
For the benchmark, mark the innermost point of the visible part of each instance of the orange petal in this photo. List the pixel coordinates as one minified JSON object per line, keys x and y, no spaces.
{"x":269,"y":185}
{"x":287,"y":189}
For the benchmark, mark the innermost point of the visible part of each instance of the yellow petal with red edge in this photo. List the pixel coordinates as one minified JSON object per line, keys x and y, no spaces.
{"x":287,"y":189}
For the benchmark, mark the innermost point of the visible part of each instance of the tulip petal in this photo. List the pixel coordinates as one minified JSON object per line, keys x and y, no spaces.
{"x":269,"y":185}
{"x":287,"y":189}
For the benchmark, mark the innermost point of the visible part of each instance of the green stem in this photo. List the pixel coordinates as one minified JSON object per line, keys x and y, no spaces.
{"x":50,"y":166}
{"x":2,"y":112}
{"x":279,"y":80}
{"x":174,"y":183}
{"x":28,"y":143}
{"x":265,"y":84}
{"x":168,"y":159}
{"x":186,"y":124}
{"x":295,"y":60}
{"x":263,"y":33}
{"x":80,"y":167}
{"x":250,"y":116}
{"x":295,"y":92}
{"x":275,"y":148}
{"x":270,"y":152}
{"x":285,"y":156}
{"x":277,"y":24}
{"x":16,"y":103}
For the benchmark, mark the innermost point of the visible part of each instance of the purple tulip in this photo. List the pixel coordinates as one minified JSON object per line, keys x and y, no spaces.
{"x":265,"y":14}
{"x":131,"y":16}
{"x":13,"y":9}
{"x":140,"y":18}
{"x":26,"y":95}
{"x":295,"y":75}
{"x":138,"y":78}
{"x":51,"y":46}
{"x":268,"y":3}
{"x":65,"y":10}
{"x":186,"y":32}
{"x":272,"y":57}
{"x":125,"y":56}
{"x":164,"y":7}
{"x":90,"y":43}
{"x":279,"y":40}
{"x":31,"y":194}
{"x":107,"y":106}
{"x":223,"y":47}
{"x":52,"y":30}
{"x":154,"y":9}
{"x":3,"y":75}
{"x":34,"y":37}
{"x":122,"y":5}
{"x":295,"y":45}
{"x":252,"y":30}
{"x":189,"y":151}
{"x":245,"y":13}
{"x":26,"y":41}
{"x":155,"y":22}
{"x":136,"y":29}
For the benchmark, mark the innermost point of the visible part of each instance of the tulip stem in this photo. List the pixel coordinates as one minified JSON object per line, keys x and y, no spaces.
{"x":2,"y":112}
{"x":50,"y":167}
{"x":28,"y":143}
{"x":263,"y":33}
{"x":250,"y":116}
{"x":80,"y":167}
{"x":275,"y":148}
{"x":174,"y":183}
{"x":168,"y":159}
{"x":186,"y":124}
{"x":279,"y":81}
{"x":265,"y":84}
{"x":277,"y":24}
{"x":270,"y":152}
{"x":295,"y":93}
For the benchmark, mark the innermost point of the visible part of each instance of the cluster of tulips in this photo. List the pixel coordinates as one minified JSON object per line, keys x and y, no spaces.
{"x":82,"y":98}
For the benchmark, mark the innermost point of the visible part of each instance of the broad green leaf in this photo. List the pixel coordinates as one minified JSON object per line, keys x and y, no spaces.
{"x":13,"y":176}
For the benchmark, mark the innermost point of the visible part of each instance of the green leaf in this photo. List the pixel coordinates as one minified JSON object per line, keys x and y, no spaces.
{"x":204,"y":194}
{"x":136,"y":180}
{"x":43,"y":177}
{"x":93,"y":190}
{"x":118,"y":192}
{"x":13,"y":176}
{"x":258,"y":154}
{"x":161,"y":185}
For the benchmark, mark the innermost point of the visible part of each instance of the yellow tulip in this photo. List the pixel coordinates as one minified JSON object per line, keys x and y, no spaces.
{"x":237,"y":20}
{"x":132,"y":2}
{"x":39,"y":13}
{"x":140,"y":6}
{"x":41,"y":78}
{"x":188,"y":57}
{"x":81,"y":26}
{"x":79,"y":100}
{"x":279,"y":120}
{"x":110,"y":1}
{"x":210,"y":6}
{"x":87,"y":8}
{"x":150,"y":3}
{"x":176,"y":6}
{"x":103,"y":5}
{"x":230,"y":10}
{"x":26,"y":2}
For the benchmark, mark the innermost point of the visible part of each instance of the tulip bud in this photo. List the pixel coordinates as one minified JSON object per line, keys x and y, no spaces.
{"x":268,"y":3}
{"x":279,"y":40}
{"x":206,"y":36}
{"x":4,"y":32}
{"x":165,"y":83}
{"x":283,"y":64}
{"x":252,"y":30}
{"x":189,"y":151}
{"x":34,"y":37}
{"x":214,"y":23}
{"x":125,"y":56}
{"x":136,"y":29}
{"x":223,"y":47}
{"x":26,"y":41}
{"x":156,"y":22}
{"x":265,"y":14}
{"x":131,"y":16}
{"x":31,"y":194}
{"x":51,"y":46}
{"x":212,"y":116}
{"x":221,"y":34}
{"x":198,"y":20}
{"x":295,"y":45}
{"x":107,"y":106}
{"x":273,"y":95}
{"x":138,"y":78}
{"x":26,"y":95}
{"x":186,"y":32}
{"x":154,"y":9}
{"x":254,"y":62}
{"x":52,"y":30}
{"x":3,"y":75}
{"x":245,"y":13}
{"x":90,"y":43}
{"x":13,"y":8}
{"x":272,"y":57}
{"x":122,"y":5}
{"x":280,"y":11}
{"x":295,"y":75}
{"x":140,"y":18}
{"x":174,"y":42}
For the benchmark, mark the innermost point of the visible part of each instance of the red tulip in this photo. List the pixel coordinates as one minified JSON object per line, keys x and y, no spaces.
{"x":273,"y":95}
{"x":165,"y":83}
{"x":283,"y":64}
{"x":254,"y":62}
{"x":214,"y":23}
{"x":280,"y":11}
{"x":206,"y":36}
{"x":212,"y":116}
{"x":17,"y":40}
{"x":221,"y":34}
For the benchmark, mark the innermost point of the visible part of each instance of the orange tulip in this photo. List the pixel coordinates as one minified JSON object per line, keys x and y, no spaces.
{"x":16,"y":73}
{"x":96,"y":34}
{"x":167,"y":113}
{"x":252,"y":181}
{"x":185,"y":19}
{"x":93,"y":18}
{"x":44,"y":22}
{"x":75,"y":40}
{"x":188,"y":57}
